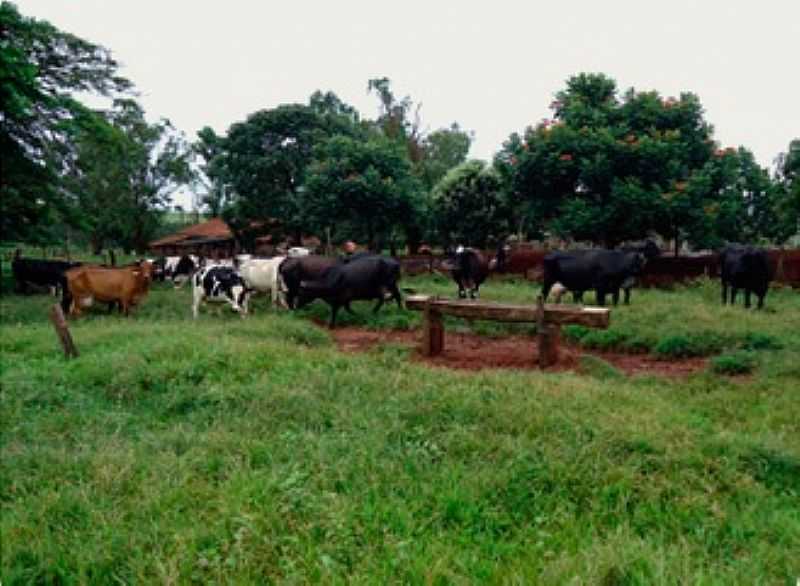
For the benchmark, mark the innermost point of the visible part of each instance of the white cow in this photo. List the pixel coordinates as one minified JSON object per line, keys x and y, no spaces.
{"x":262,"y":275}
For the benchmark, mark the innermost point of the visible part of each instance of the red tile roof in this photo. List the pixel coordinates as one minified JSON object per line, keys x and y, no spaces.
{"x":214,"y":228}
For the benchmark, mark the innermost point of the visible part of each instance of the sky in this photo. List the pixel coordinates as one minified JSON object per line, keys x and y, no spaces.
{"x":492,"y":66}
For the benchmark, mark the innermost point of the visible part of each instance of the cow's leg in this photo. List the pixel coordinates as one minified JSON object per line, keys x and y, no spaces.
{"x":734,"y":291}
{"x":627,"y":296}
{"x":724,"y":293}
{"x":334,"y":310}
{"x":475,"y":293}
{"x":349,"y":309}
{"x":615,"y":297}
{"x":396,"y":295}
{"x":761,"y":300}
{"x":378,"y":305}
{"x":747,"y":298}
{"x":601,"y":297}
{"x":462,"y":293}
{"x":546,"y":286}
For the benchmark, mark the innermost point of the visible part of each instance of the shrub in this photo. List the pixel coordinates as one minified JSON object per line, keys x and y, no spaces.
{"x":688,"y":345}
{"x":574,"y":333}
{"x":757,"y":341}
{"x":604,"y":339}
{"x":732,"y":363}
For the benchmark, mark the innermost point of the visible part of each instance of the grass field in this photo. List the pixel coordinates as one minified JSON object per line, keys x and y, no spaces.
{"x":239,"y":451}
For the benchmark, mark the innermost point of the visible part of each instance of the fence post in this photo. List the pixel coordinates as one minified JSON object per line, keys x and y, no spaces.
{"x":432,"y":331}
{"x":60,"y":324}
{"x":548,"y":337}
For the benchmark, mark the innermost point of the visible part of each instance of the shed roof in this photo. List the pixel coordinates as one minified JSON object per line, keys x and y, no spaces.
{"x":214,"y":229}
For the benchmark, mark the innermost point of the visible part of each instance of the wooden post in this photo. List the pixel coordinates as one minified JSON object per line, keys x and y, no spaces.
{"x":432,"y":331}
{"x":548,"y":336}
{"x":60,"y":324}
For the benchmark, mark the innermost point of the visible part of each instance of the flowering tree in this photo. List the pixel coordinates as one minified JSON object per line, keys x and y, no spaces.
{"x":608,"y":168}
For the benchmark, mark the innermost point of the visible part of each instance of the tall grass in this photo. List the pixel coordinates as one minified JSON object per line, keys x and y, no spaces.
{"x":250,"y":451}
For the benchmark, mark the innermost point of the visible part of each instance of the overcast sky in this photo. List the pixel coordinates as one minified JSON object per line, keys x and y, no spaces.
{"x":491,"y":66}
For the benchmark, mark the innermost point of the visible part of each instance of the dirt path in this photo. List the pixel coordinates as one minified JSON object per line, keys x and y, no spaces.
{"x":473,"y":352}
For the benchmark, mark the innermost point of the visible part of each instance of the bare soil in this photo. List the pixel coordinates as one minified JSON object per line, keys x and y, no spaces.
{"x":472,"y":352}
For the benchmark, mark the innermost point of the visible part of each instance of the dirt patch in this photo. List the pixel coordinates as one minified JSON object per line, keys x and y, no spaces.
{"x":472,"y":352}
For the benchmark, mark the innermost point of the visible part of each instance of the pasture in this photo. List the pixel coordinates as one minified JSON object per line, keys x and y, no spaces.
{"x":247,"y":451}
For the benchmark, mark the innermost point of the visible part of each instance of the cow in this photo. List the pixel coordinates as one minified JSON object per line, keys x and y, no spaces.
{"x":296,"y":251}
{"x":744,"y":267}
{"x":220,"y":284}
{"x":605,"y":271}
{"x":363,"y":279}
{"x":295,"y":270}
{"x":469,"y":268}
{"x":177,"y":269}
{"x":125,"y":286}
{"x":45,"y":273}
{"x":263,"y":275}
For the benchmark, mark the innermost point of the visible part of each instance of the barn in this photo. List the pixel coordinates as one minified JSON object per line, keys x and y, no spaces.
{"x":210,"y":239}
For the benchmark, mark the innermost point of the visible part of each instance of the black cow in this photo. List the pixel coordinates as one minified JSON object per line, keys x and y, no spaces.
{"x":605,"y":271}
{"x":45,"y":273}
{"x":648,"y":251}
{"x":469,"y":269}
{"x":294,"y":271}
{"x":744,"y":267}
{"x":365,"y":278}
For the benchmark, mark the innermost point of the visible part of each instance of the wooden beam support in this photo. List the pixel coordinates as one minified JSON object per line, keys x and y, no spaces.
{"x":548,"y":320}
{"x":432,"y":332}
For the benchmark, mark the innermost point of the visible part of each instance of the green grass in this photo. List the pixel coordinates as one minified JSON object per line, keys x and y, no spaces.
{"x":252,"y":451}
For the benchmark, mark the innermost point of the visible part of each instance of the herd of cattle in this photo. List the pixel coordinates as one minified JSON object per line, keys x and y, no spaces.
{"x":299,"y":278}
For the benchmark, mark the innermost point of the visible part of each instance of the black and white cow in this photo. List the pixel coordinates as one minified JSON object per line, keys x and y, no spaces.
{"x":178,"y":269}
{"x":744,"y":267}
{"x":220,"y":284}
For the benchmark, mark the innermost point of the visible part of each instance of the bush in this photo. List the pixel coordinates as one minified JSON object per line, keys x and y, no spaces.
{"x":689,"y":345}
{"x":733,"y":363}
{"x":575,"y":333}
{"x":757,"y":341}
{"x":604,"y":339}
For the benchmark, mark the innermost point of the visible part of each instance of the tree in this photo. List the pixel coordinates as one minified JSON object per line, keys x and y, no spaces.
{"x":264,"y":161}
{"x":124,"y":174}
{"x":210,"y":148}
{"x":365,"y":187}
{"x":608,"y":169}
{"x":469,"y":206}
{"x":443,"y":149}
{"x":786,"y":201}
{"x":42,"y":69}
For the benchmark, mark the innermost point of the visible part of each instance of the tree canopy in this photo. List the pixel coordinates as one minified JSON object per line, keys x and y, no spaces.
{"x":607,"y":167}
{"x":42,"y":70}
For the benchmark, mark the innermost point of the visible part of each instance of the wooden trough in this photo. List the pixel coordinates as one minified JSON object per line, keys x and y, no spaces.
{"x":548,"y":320}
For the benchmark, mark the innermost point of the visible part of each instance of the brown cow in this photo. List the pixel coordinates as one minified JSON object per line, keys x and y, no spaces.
{"x":125,"y":286}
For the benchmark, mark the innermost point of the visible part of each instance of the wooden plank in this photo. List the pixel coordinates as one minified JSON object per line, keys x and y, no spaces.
{"x":60,"y":324}
{"x":595,"y":317}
